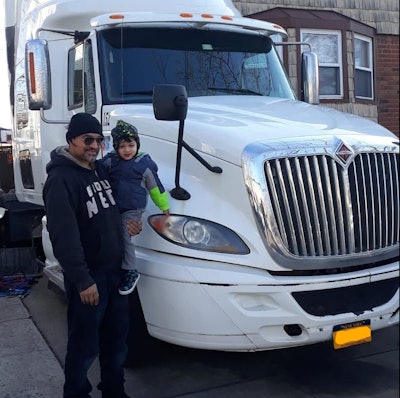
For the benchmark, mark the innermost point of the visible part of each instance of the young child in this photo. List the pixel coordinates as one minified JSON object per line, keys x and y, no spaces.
{"x":133,"y":177}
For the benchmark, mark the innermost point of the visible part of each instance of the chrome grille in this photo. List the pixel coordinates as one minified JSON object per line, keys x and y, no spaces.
{"x":327,"y":202}
{"x":324,"y":209}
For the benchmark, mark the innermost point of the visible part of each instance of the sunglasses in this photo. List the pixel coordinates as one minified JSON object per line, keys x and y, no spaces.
{"x":90,"y":140}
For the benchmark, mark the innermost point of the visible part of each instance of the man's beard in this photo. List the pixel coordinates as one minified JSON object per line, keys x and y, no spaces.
{"x":89,"y":157}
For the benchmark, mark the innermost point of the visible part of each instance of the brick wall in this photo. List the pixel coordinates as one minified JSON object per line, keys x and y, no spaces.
{"x":387,"y":81}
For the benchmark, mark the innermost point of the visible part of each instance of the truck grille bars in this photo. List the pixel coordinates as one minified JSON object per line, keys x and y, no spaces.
{"x":337,"y":204}
{"x":322,"y":209}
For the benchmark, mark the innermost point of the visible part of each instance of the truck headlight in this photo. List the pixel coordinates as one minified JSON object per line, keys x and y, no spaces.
{"x":198,"y":234}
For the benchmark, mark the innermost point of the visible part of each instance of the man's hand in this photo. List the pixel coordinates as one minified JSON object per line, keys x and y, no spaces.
{"x":90,"y":295}
{"x":134,"y":227}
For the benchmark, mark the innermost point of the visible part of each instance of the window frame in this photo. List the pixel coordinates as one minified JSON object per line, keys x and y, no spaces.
{"x":339,"y":65}
{"x":369,"y":69}
{"x":81,"y":79}
{"x":75,"y":77}
{"x":295,"y":19}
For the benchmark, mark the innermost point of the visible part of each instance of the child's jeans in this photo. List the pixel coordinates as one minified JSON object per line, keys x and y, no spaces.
{"x":129,"y":261}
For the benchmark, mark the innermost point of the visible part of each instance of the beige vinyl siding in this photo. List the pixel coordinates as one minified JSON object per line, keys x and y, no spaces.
{"x":383,"y":15}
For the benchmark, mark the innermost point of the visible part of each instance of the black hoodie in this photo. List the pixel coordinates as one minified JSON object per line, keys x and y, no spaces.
{"x":82,"y":218}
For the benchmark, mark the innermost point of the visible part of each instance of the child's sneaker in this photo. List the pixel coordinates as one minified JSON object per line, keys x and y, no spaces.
{"x":129,"y":281}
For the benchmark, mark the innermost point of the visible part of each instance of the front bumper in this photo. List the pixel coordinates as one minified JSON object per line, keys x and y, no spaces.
{"x":209,"y":305}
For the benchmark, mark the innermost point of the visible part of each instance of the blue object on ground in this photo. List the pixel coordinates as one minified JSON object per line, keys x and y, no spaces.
{"x":17,"y":284}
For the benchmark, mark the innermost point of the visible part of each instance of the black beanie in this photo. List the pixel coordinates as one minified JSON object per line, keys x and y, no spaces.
{"x":83,"y":123}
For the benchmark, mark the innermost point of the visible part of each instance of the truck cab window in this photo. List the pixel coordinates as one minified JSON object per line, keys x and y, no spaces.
{"x":206,"y":62}
{"x":81,"y":88}
{"x":75,"y":73}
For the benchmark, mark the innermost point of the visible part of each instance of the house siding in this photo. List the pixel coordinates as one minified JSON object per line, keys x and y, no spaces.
{"x":382,"y":15}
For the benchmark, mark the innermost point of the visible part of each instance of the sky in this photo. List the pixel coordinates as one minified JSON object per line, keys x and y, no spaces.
{"x":5,"y":118}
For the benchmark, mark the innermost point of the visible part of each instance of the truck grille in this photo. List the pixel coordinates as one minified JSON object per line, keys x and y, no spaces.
{"x":342,"y":202}
{"x":322,"y":209}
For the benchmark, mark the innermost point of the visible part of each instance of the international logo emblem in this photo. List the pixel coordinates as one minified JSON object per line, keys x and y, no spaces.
{"x":343,"y":152}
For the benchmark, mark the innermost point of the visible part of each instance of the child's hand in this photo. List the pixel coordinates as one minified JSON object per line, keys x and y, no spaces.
{"x":134,"y":227}
{"x":166,"y":212}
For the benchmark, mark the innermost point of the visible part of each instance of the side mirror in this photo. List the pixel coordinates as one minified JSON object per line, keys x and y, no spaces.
{"x":170,"y":102}
{"x":310,"y":77}
{"x":37,"y":71}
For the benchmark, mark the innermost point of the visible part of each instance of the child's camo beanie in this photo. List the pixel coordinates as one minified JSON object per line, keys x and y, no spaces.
{"x":124,"y":131}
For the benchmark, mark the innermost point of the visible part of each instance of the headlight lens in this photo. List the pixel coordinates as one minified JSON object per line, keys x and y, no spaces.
{"x":198,"y":234}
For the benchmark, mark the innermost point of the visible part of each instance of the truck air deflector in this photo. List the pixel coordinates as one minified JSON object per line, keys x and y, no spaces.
{"x":194,"y":18}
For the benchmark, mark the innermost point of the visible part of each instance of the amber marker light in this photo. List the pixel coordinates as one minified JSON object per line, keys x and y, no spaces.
{"x":207,"y":16}
{"x":186,"y":15}
{"x":32,"y":72}
{"x":278,"y":26}
{"x":227,"y":17}
{"x":117,"y":16}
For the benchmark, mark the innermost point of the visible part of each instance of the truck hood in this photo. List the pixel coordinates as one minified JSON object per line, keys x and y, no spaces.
{"x":222,"y":126}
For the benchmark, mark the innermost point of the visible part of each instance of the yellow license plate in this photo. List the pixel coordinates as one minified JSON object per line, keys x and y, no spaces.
{"x":350,"y":334}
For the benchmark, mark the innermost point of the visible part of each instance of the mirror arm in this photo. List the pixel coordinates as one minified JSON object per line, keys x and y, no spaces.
{"x":178,"y":192}
{"x":214,"y":169}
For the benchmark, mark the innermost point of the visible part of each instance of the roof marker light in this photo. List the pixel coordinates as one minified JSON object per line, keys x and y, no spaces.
{"x":186,"y":15}
{"x":227,"y":17}
{"x":117,"y":16}
{"x":207,"y":16}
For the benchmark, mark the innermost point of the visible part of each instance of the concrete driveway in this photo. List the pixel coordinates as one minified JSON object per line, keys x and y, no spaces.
{"x":368,"y":370}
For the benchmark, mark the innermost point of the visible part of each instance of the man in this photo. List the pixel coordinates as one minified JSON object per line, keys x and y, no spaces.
{"x":84,"y":226}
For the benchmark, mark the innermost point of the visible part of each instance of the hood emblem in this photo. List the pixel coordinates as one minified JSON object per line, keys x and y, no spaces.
{"x":343,"y":152}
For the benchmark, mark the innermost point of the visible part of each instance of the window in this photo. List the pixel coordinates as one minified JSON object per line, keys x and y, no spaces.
{"x":328,"y":46}
{"x":75,"y":81}
{"x":363,"y":77}
{"x":81,"y":89}
{"x":207,"y":62}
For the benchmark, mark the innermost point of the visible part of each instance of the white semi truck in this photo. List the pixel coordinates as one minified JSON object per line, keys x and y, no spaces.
{"x":284,"y":225}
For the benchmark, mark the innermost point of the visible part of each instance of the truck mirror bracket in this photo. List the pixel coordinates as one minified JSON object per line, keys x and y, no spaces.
{"x":170,"y":102}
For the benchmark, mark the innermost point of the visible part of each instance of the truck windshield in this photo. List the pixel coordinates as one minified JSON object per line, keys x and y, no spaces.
{"x":206,"y":62}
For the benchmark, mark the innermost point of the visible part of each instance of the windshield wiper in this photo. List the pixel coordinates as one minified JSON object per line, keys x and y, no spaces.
{"x":234,"y":90}
{"x":144,"y":92}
